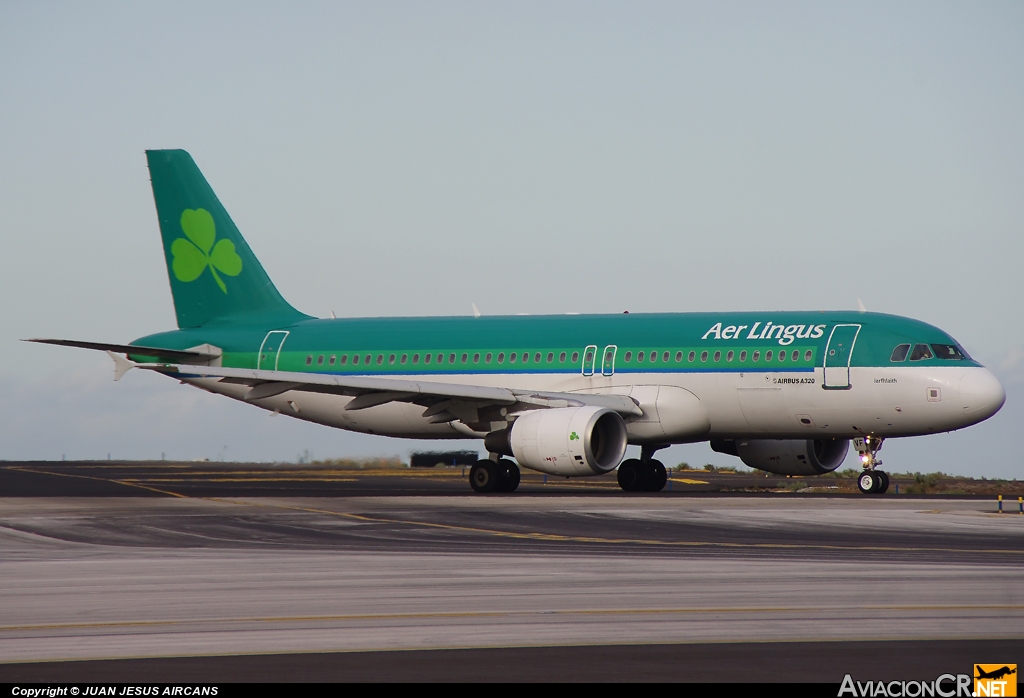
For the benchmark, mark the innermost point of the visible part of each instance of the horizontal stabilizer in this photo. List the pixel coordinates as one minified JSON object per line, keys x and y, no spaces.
{"x":174,"y":355}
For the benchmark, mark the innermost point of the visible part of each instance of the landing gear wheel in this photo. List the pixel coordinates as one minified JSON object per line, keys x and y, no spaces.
{"x":883,"y":481}
{"x":484,"y":477}
{"x":657,"y":476}
{"x":867,"y":482}
{"x":508,"y":476}
{"x":630,"y":475}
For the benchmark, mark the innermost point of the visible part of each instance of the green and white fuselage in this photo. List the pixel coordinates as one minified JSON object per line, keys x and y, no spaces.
{"x":750,"y":386}
{"x":785,"y":391}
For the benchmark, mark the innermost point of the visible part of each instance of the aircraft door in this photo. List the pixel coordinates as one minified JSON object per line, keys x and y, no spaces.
{"x":589,"y":359}
{"x":270,"y":350}
{"x":608,"y":360}
{"x":838,"y":354}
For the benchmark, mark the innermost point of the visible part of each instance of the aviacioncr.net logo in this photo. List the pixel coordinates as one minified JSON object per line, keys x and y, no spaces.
{"x":945,"y":686}
{"x":193,"y":256}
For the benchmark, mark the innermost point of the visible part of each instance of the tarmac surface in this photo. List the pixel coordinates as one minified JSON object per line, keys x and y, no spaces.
{"x":253,"y":572}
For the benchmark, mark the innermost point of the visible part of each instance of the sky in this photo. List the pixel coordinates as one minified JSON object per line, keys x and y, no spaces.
{"x":411,"y":158}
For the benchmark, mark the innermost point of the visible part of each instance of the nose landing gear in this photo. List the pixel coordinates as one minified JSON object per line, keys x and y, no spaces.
{"x":872,"y":480}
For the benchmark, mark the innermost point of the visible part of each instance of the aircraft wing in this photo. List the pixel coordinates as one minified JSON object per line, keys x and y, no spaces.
{"x":370,"y":391}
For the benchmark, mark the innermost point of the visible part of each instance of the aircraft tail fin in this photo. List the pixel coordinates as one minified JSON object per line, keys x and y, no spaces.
{"x":214,"y":276}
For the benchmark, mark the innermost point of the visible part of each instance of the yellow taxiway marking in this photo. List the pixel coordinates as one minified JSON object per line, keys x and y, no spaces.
{"x":535,"y":536}
{"x":551,"y":537}
{"x":513,"y":614}
{"x":133,"y":480}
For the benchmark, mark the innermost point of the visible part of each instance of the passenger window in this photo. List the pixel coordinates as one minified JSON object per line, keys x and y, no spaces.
{"x":664,"y":357}
{"x":333,"y":359}
{"x":427,"y":358}
{"x":501,"y":357}
{"x":743,"y":356}
{"x":921,"y":352}
{"x":728,"y":357}
{"x":512,"y":358}
{"x":344,"y":359}
{"x":451,"y":358}
{"x":440,"y":358}
{"x":756,"y":356}
{"x":551,"y":356}
{"x":807,"y":355}
{"x":415,"y":358}
{"x":654,"y":356}
{"x":768,"y":355}
{"x":476,"y":358}
{"x":391,"y":359}
{"x":628,"y":357}
{"x":526,"y":357}
{"x":380,"y":359}
{"x":900,"y":353}
{"x":796,"y":355}
{"x":703,"y":356}
{"x":679,"y":356}
{"x":487,"y":359}
{"x":355,"y":358}
{"x":575,"y":356}
{"x":536,"y":358}
{"x":590,"y":356}
{"x":465,"y":358}
{"x":561,"y":357}
{"x":718,"y":356}
{"x":309,"y":360}
{"x":405,"y":357}
{"x":949,"y":352}
{"x":640,"y":356}
{"x":692,"y":355}
{"x":320,"y":360}
{"x":366,"y":359}
{"x":782,"y":356}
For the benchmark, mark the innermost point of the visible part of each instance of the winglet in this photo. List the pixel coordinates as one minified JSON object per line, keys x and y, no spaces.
{"x":860,"y":306}
{"x":476,"y":310}
{"x":122,"y":365}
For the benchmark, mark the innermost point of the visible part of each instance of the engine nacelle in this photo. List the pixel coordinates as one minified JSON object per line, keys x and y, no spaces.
{"x":787,"y":456}
{"x":569,"y":441}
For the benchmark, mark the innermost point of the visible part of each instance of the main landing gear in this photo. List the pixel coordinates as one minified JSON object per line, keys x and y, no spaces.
{"x":644,"y":474}
{"x":872,"y":480}
{"x":489,"y":476}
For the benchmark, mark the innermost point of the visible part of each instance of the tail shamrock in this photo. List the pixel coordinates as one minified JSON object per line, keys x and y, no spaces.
{"x":215,"y":278}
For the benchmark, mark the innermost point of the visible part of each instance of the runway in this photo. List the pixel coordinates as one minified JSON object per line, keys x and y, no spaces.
{"x":434,"y":573}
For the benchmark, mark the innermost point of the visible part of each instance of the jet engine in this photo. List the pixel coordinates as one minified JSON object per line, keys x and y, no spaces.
{"x":787,"y":456}
{"x":566,"y":441}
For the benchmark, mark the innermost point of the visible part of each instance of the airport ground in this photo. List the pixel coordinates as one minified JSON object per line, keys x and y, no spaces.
{"x":224,"y":572}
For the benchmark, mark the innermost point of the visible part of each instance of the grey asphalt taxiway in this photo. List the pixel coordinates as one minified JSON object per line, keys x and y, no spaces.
{"x":214,"y":570}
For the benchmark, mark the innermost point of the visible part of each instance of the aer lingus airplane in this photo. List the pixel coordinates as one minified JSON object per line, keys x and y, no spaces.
{"x":786,"y":392}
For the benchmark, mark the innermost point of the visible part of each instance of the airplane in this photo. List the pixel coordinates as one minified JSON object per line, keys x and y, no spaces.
{"x":786,"y":392}
{"x":995,"y":674}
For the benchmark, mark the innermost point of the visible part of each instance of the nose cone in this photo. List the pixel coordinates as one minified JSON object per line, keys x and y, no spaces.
{"x":982,"y":394}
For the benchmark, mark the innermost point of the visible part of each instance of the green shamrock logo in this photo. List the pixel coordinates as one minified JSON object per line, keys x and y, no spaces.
{"x":192,"y":258}
{"x":574,"y":437}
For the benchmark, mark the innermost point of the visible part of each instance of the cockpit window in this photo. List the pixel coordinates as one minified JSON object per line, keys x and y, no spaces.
{"x":900,"y":353}
{"x":948,"y":351}
{"x":921,"y":352}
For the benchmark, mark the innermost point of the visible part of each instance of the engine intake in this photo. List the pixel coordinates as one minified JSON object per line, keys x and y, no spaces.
{"x":567,"y":441}
{"x":787,"y":456}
